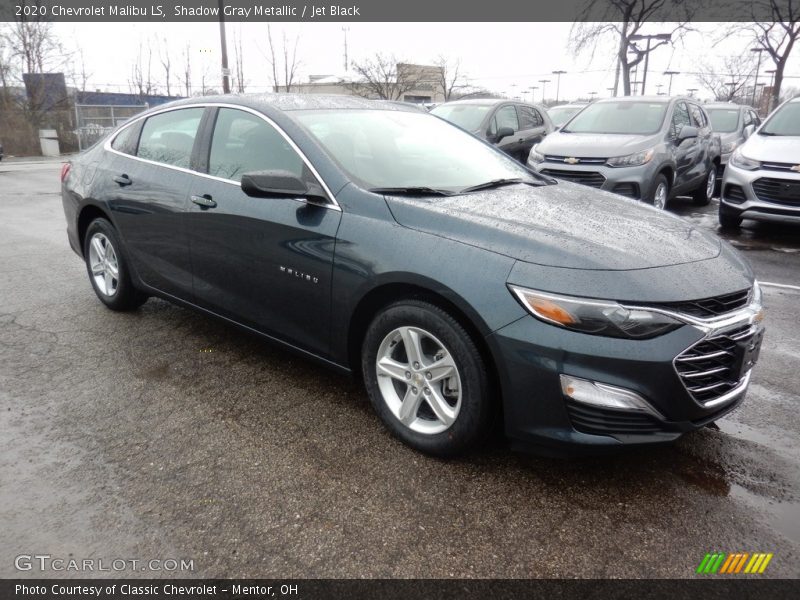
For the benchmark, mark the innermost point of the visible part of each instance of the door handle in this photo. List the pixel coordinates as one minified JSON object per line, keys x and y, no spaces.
{"x":122,"y":179}
{"x":204,"y":201}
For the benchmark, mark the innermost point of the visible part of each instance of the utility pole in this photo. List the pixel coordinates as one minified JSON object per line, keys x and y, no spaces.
{"x":226,"y":72}
{"x":346,"y":62}
{"x":670,"y":73}
{"x":558,"y":75}
{"x":758,"y":66}
{"x":544,"y":83}
{"x":664,"y":37}
{"x":771,"y":86}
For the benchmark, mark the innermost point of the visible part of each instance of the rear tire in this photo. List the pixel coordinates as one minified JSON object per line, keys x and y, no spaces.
{"x":703,"y":194}
{"x":426,"y":378}
{"x":729,"y":219}
{"x":108,"y":269}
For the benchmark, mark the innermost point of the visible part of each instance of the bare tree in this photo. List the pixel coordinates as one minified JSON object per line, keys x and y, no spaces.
{"x":777,"y":36}
{"x":728,"y":82}
{"x":36,"y":46}
{"x":7,"y":71}
{"x":289,"y":59}
{"x":238,"y":60}
{"x":82,"y":76}
{"x":383,"y":77}
{"x":450,"y":77}
{"x":166,"y":63}
{"x":141,"y":81}
{"x":185,"y":77}
{"x":600,"y":19}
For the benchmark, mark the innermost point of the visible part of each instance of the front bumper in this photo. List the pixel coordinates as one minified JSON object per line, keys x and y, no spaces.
{"x":761,"y":194}
{"x":532,"y":355}
{"x":633,"y":182}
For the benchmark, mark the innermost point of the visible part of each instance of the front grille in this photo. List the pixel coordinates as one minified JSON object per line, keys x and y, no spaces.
{"x":589,"y":178}
{"x":734,"y":193}
{"x":603,"y":421}
{"x":778,"y":191}
{"x":581,"y":160}
{"x":709,"y":307}
{"x":708,"y":369}
{"x":631,"y":190}
{"x":778,"y":166}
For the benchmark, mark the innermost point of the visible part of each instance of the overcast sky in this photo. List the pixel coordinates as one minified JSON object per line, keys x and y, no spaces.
{"x":506,"y":58}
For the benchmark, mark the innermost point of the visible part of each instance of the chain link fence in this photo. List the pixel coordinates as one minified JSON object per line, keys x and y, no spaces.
{"x":94,"y":121}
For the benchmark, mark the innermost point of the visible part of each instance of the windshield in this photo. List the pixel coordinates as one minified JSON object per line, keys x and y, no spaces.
{"x":399,"y":149}
{"x":561,"y":114}
{"x":724,"y":120}
{"x":466,"y":116}
{"x":637,"y":118}
{"x":785,"y":121}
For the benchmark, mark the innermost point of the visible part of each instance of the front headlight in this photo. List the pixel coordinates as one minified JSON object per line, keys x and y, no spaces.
{"x":729,"y":146}
{"x":740,"y":161}
{"x":535,"y":157}
{"x":596,"y":317}
{"x":632,"y":160}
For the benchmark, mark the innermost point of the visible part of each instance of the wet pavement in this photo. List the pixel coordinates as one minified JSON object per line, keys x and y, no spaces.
{"x":165,"y":434}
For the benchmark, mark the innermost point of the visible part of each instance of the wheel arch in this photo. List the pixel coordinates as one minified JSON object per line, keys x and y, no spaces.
{"x":88,"y":213}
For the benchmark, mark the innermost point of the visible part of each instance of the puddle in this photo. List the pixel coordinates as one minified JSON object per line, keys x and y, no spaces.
{"x":784,"y":517}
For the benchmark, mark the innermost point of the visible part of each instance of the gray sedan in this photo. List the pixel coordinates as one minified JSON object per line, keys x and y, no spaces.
{"x":647,"y":148}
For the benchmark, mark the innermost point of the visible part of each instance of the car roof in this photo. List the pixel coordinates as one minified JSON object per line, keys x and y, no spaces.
{"x":292,"y":102}
{"x":651,"y":99}
{"x":726,"y":105}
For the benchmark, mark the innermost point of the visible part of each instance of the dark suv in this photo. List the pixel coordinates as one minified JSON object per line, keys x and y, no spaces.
{"x":387,"y":243}
{"x":648,"y":148}
{"x":514,"y":127}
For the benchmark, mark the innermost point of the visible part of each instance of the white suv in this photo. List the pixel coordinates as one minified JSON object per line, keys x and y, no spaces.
{"x":762,"y":180}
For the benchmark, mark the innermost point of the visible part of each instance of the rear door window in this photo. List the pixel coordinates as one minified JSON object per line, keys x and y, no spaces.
{"x":168,"y":137}
{"x":529,"y":117}
{"x":507,"y":117}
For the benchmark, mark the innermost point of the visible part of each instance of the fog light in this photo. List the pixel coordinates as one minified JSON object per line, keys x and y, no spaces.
{"x":605,"y":396}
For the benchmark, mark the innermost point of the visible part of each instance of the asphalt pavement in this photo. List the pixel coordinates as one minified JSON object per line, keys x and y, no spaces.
{"x":164,"y":434}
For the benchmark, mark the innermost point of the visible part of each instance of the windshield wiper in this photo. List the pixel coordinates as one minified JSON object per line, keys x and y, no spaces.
{"x":496,"y":183}
{"x":411,"y":191}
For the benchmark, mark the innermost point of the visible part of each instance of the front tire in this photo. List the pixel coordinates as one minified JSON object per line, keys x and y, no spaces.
{"x":107,"y":268}
{"x":659,"y":193}
{"x":729,"y":219}
{"x":426,"y":378}
{"x":703,"y":194}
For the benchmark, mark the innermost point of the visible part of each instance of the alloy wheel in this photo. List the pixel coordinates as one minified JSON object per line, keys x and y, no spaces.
{"x":104,"y":264}
{"x":711,"y":183}
{"x":660,"y":197}
{"x":419,"y":380}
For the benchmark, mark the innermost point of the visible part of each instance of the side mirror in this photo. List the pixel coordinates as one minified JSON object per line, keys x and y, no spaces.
{"x":687,"y":132}
{"x":748,"y":131}
{"x":503,"y":132}
{"x":280,"y":184}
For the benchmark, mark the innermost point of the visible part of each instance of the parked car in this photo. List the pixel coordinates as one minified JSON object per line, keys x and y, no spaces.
{"x":514,"y":127}
{"x":734,"y":123}
{"x":564,"y":112}
{"x":385,"y":242}
{"x":647,"y":148}
{"x":762,"y":180}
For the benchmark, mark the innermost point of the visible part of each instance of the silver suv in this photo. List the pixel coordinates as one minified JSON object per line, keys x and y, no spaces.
{"x":734,"y":123}
{"x":647,"y":148}
{"x":762,"y":181}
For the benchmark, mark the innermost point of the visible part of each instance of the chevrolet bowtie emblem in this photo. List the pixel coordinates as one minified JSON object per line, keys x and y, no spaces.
{"x":796,"y":168}
{"x":572,"y":160}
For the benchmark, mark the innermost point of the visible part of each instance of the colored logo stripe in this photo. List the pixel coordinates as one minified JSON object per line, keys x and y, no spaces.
{"x":738,"y":562}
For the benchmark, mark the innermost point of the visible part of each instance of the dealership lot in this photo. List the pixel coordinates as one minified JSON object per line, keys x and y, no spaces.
{"x":162,"y":434}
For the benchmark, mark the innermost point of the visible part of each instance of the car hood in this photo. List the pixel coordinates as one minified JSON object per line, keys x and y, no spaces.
{"x":773,"y":148}
{"x":561,"y":225}
{"x":594,"y":145}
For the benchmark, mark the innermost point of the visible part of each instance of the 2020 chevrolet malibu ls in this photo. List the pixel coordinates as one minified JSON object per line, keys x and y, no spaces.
{"x":461,"y":286}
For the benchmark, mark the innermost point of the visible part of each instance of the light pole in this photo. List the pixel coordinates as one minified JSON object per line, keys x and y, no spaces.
{"x":610,"y":91}
{"x":533,"y":89}
{"x":558,"y":75}
{"x":670,"y":73}
{"x":664,"y":37}
{"x":691,"y":91}
{"x":592,"y":95}
{"x":758,"y":66}
{"x":544,"y":83}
